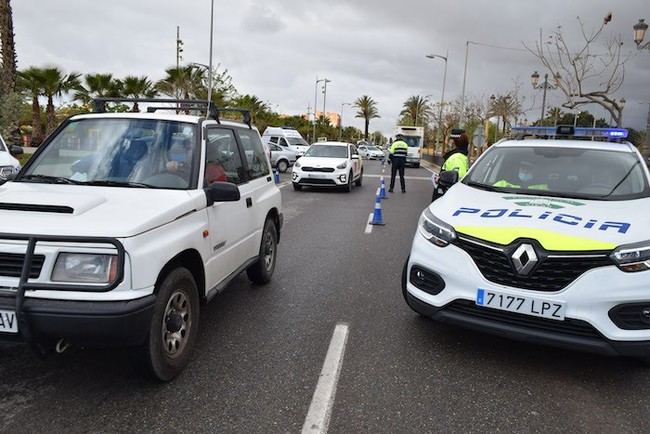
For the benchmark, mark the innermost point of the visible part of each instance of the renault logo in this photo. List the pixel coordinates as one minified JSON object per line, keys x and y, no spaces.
{"x":524,"y":259}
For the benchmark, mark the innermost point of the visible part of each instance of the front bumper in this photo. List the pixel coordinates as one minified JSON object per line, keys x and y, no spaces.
{"x":85,"y":323}
{"x":588,"y":299}
{"x":338,"y":178}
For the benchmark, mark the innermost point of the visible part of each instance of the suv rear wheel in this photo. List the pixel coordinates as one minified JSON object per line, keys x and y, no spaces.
{"x":173,"y":328}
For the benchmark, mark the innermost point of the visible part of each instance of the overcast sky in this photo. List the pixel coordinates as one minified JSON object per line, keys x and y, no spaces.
{"x":276,"y":48}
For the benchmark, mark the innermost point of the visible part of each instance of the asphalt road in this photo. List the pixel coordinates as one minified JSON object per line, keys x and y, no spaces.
{"x":261,"y":350}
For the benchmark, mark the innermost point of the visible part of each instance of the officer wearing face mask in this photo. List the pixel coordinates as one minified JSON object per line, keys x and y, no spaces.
{"x":180,"y":157}
{"x":525,"y":179}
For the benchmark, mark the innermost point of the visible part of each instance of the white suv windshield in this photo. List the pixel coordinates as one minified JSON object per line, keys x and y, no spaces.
{"x":327,"y":151}
{"x":564,"y":172}
{"x":119,"y":152}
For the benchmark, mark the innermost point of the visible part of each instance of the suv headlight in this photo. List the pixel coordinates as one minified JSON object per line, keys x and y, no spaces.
{"x":343,"y":165}
{"x":632,"y":257}
{"x":85,"y":268}
{"x":435,"y":230}
{"x":297,"y":164}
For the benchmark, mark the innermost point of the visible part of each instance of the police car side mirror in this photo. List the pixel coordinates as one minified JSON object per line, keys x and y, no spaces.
{"x":448,"y":178}
{"x":221,"y":192}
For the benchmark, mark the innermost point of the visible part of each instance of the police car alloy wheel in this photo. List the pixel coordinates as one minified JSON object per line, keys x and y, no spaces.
{"x":544,"y":240}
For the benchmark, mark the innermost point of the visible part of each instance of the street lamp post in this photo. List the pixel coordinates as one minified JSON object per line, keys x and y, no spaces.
{"x":639,"y":35}
{"x":442,"y":96}
{"x":341,"y":120}
{"x":325,"y":93}
{"x":496,"y":126}
{"x":545,"y":85}
{"x":316,"y":102}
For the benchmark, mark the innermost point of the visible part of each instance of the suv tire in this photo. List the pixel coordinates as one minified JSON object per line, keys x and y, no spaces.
{"x":348,"y":187}
{"x":282,"y":165}
{"x":262,"y":270}
{"x":359,"y":181}
{"x":173,"y":328}
{"x":297,"y":186}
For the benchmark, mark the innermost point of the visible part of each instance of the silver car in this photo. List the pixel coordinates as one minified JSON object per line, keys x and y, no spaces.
{"x":281,"y":157}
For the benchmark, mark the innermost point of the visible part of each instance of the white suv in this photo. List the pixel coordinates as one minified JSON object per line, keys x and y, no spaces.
{"x":328,"y":164}
{"x":122,"y":223}
{"x":544,"y":241}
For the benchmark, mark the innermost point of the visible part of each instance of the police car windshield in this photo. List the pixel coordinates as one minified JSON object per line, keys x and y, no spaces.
{"x":327,"y":151}
{"x":561,"y":172}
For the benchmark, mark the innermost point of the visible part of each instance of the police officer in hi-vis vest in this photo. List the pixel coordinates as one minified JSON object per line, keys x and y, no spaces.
{"x":397,"y":154}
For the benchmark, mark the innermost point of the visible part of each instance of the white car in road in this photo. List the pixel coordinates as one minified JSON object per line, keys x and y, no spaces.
{"x":370,"y":152}
{"x":119,"y":238}
{"x":329,"y":164}
{"x":543,"y":241}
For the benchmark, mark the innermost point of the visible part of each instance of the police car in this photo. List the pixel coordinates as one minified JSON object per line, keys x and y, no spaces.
{"x":545,"y":240}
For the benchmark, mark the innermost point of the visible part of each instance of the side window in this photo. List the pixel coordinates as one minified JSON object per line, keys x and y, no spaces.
{"x":255,"y":154}
{"x":222,"y":158}
{"x":273,"y":139}
{"x":354,"y":151}
{"x":283,"y":142}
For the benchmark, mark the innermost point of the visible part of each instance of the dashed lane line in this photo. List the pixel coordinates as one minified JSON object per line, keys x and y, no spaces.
{"x":320,"y":410}
{"x":369,"y":224}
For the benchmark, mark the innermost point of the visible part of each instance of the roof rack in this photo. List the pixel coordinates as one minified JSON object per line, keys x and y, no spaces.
{"x":569,"y":131}
{"x":212,"y":111}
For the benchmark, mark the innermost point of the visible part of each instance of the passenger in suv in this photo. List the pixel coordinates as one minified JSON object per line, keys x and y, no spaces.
{"x":117,"y":240}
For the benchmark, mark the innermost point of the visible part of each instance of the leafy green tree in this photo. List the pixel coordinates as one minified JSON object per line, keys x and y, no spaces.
{"x":182,"y":83}
{"x":506,"y":107}
{"x":416,"y":111}
{"x":366,"y":109}
{"x":54,"y":83}
{"x":253,"y":104}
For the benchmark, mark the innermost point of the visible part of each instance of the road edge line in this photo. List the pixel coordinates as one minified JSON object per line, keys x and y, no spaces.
{"x":320,"y":409}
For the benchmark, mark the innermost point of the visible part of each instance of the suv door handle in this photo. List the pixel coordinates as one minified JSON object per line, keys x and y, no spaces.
{"x":249,"y":202}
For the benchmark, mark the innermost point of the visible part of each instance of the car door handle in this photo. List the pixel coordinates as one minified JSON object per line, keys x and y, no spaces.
{"x":249,"y":202}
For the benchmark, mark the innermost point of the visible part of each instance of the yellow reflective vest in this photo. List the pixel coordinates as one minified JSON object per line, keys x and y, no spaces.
{"x":458,"y":162}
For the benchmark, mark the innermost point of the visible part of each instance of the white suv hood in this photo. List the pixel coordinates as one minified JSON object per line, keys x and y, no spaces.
{"x":557,"y":223}
{"x":96,"y":211}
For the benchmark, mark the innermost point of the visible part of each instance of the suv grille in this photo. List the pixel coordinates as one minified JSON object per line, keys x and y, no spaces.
{"x":553,"y":273}
{"x":569,"y":326}
{"x":11,"y":265}
{"x":318,"y":169}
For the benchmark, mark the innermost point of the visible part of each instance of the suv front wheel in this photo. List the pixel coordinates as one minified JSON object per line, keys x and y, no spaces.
{"x":173,"y":328}
{"x":262,"y":270}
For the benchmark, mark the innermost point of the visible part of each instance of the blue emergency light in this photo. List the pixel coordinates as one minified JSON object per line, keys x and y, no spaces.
{"x":571,"y":131}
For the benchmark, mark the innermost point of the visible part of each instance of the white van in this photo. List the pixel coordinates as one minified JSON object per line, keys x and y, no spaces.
{"x":414,"y":137}
{"x":286,"y":137}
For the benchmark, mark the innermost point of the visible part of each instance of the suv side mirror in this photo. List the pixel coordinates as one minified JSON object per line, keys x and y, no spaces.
{"x":16,"y":150}
{"x":448,"y":178}
{"x":221,"y":192}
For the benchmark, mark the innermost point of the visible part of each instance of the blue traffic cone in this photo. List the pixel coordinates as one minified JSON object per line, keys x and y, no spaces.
{"x":276,"y":176}
{"x":382,"y":189}
{"x":377,"y":219}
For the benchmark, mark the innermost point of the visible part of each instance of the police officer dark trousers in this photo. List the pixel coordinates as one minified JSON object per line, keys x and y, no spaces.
{"x":397,"y":152}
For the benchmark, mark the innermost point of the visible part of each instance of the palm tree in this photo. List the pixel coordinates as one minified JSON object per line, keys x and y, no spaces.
{"x":55,"y":83}
{"x":138,"y":87}
{"x":251,"y":103}
{"x":98,"y":86}
{"x":507,"y":107}
{"x":367,"y":109}
{"x":415,"y":109}
{"x":8,"y":48}
{"x":31,"y":81}
{"x":184,"y":82}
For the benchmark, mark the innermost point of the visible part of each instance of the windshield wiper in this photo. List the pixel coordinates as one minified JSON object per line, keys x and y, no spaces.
{"x":49,"y":179}
{"x":629,"y":172}
{"x":108,"y":183}
{"x":483,"y":186}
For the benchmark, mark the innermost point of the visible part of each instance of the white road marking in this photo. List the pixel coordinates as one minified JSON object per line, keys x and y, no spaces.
{"x":284,"y":184}
{"x":320,"y":409}
{"x":369,"y":225}
{"x":416,"y":178}
{"x":426,"y":163}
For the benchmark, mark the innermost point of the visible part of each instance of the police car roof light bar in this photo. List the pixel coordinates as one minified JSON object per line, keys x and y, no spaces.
{"x":565,"y":131}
